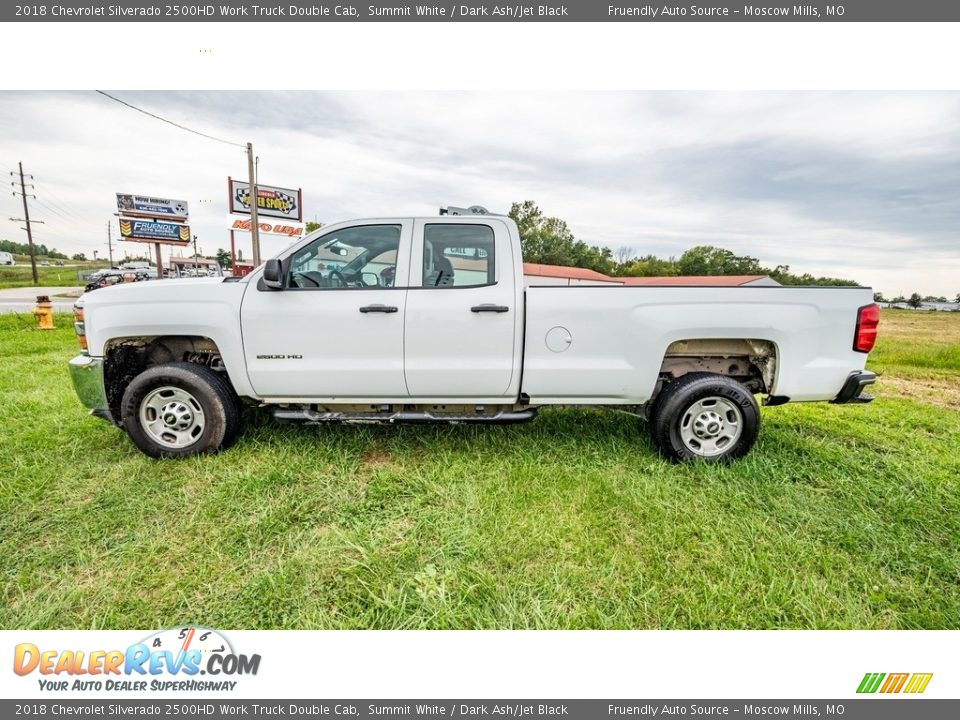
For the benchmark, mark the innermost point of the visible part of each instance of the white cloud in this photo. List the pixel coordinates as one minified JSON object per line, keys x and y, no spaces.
{"x":858,"y":185}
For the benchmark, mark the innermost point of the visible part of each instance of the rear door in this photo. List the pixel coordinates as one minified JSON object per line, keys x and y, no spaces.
{"x":335,"y":331}
{"x":462,"y":333}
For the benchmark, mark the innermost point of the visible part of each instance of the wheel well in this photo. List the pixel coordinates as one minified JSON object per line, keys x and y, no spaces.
{"x":125,"y":358}
{"x":751,"y":362}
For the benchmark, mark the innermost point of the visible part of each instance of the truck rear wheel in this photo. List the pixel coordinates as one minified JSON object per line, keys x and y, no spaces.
{"x":702,"y":416}
{"x":180,"y":409}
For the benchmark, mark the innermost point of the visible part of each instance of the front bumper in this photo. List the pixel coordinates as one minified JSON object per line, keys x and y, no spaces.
{"x":852,"y":390}
{"x":87,"y":375}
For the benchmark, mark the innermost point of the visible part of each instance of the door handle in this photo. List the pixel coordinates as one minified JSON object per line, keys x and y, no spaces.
{"x":489,"y":307}
{"x":378,"y":308}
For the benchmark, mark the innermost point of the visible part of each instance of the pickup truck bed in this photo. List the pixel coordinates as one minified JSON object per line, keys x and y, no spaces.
{"x":619,"y":337}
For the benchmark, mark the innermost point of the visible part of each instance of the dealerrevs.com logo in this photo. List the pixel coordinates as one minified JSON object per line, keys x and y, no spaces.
{"x":173,"y":659}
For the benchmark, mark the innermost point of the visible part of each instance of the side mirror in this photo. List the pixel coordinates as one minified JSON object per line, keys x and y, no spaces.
{"x":273,"y":274}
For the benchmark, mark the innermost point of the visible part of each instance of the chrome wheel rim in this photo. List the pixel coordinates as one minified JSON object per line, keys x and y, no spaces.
{"x":711,"y":426}
{"x":172,"y":417}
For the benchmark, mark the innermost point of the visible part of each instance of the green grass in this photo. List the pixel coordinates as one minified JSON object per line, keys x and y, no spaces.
{"x":20,"y":275}
{"x":918,"y":343}
{"x":841,"y":517}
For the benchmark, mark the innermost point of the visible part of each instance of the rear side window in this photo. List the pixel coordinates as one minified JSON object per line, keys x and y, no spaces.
{"x":458,"y":256}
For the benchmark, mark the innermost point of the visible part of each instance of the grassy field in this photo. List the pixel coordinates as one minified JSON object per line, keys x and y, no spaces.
{"x":842,"y":517}
{"x":20,"y":275}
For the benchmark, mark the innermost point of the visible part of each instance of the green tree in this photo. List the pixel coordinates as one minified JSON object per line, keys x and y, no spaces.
{"x":313,"y":225}
{"x":878,"y":297}
{"x":78,"y":256}
{"x":710,"y":260}
{"x":915,"y":300}
{"x":550,"y":241}
{"x":650,"y":266}
{"x":223,"y":257}
{"x":957,"y":298}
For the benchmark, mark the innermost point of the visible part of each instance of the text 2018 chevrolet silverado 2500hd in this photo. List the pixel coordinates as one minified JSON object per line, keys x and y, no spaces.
{"x":427,"y":319}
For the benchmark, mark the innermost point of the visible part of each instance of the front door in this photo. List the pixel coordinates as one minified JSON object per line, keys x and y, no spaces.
{"x":462,"y":337}
{"x":335,"y":331}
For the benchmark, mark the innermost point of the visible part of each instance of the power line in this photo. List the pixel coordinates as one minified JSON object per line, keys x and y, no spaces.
{"x":53,"y":203}
{"x":52,"y":200}
{"x":169,"y":122}
{"x":63,"y":212}
{"x":254,"y":225}
{"x":56,"y":212}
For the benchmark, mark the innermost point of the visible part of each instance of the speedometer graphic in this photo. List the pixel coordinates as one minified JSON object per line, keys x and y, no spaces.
{"x":185,"y":638}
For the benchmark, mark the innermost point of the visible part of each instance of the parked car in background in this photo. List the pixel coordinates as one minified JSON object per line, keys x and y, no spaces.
{"x":7,"y":259}
{"x":113,"y":276}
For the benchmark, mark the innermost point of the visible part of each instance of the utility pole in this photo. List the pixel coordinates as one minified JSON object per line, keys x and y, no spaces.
{"x":196,"y":261}
{"x":254,"y":220}
{"x":110,"y":241}
{"x":26,"y":220}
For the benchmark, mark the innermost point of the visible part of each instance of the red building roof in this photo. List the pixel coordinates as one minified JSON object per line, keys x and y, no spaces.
{"x":575,"y":273}
{"x":568,"y":273}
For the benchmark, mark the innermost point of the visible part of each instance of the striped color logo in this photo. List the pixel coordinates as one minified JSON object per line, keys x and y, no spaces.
{"x":894,"y":682}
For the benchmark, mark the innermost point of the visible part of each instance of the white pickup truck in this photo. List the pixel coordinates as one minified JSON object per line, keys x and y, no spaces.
{"x":428,"y":320}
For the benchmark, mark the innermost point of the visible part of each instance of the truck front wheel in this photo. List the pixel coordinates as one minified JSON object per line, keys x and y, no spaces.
{"x":702,"y":416}
{"x":180,"y":409}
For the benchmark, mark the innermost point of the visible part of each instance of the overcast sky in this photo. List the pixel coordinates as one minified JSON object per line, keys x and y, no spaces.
{"x":858,"y":185}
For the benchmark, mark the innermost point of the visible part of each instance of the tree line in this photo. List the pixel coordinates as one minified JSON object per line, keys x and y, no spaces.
{"x":549,"y":240}
{"x":915,"y":300}
{"x":24,"y":249}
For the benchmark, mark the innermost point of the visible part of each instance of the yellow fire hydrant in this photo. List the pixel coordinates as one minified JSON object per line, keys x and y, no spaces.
{"x":44,"y":312}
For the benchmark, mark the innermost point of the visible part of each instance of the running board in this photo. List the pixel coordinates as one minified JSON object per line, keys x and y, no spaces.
{"x":503,"y":417}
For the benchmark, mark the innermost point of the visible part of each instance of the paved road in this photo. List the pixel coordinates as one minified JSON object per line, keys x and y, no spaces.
{"x":23,"y":300}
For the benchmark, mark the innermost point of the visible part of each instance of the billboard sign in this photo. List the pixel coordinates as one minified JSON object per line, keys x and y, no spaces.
{"x":151,"y":207}
{"x":268,"y":226}
{"x":275,"y":202}
{"x":154,"y":231}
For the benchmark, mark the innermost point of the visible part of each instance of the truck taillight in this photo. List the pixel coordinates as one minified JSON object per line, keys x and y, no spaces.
{"x":80,"y":327}
{"x":865,"y":337}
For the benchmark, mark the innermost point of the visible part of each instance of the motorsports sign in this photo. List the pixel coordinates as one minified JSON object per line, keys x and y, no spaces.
{"x":275,"y":202}
{"x":154,"y":231}
{"x":150,"y":207}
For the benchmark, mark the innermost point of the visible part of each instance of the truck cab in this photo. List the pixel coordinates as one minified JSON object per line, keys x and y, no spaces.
{"x":389,"y":310}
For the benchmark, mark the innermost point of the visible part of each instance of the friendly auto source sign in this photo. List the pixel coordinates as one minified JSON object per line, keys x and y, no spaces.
{"x":143,"y":206}
{"x":154,"y":231}
{"x":272,"y":201}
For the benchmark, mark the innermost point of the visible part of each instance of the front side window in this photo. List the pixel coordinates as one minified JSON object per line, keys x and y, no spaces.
{"x":364,"y":256}
{"x":458,"y":255}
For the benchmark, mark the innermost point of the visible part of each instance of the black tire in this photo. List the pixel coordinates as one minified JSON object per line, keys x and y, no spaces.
{"x":723,"y":410}
{"x":203,"y":407}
